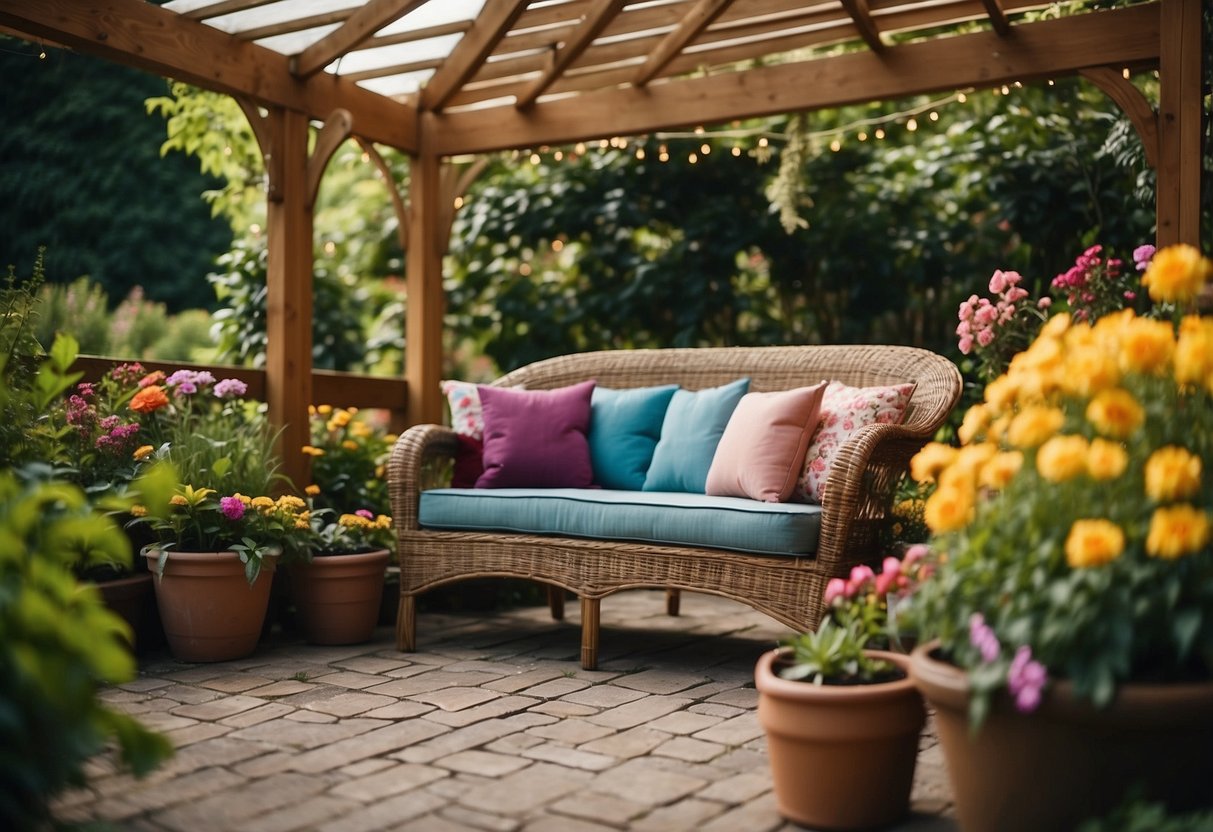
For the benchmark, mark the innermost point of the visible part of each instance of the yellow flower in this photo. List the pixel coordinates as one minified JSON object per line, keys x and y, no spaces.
{"x":1194,"y":352}
{"x":361,"y":430}
{"x":1172,"y":473}
{"x":1001,"y":393}
{"x":1089,"y":369}
{"x":290,"y":501}
{"x":312,"y":450}
{"x":1115,"y":413}
{"x":390,"y":438}
{"x":311,"y":410}
{"x":998,"y":428}
{"x":350,"y":445}
{"x":143,"y":452}
{"x":340,"y":419}
{"x":1146,"y":346}
{"x":301,"y":523}
{"x":178,"y":500}
{"x":354,"y":521}
{"x":312,"y":490}
{"x":138,"y":510}
{"x":1062,"y":458}
{"x":1106,"y":460}
{"x":1056,"y":326}
{"x":976,"y":420}
{"x":262,"y":502}
{"x":949,"y":509}
{"x":1176,"y":273}
{"x":382,"y":521}
{"x":933,"y":458}
{"x":1034,"y":425}
{"x":324,"y":410}
{"x":1093,"y":543}
{"x":1001,"y":469}
{"x":244,"y":498}
{"x":1176,"y":531}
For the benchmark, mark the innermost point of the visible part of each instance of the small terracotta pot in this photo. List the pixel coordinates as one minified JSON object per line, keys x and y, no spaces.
{"x":1068,"y":760}
{"x":130,"y":597}
{"x":842,"y":756}
{"x":209,"y":611}
{"x":338,"y":596}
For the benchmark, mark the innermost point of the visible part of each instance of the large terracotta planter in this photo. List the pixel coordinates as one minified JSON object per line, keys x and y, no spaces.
{"x":209,"y":611}
{"x":338,"y":596}
{"x":1068,"y":761}
{"x":842,"y":756}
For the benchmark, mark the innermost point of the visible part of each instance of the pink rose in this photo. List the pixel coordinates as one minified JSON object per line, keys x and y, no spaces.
{"x":835,"y":589}
{"x":985,"y":337}
{"x":966,"y":344}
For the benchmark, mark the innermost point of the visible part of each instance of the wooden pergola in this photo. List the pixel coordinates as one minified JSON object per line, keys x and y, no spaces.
{"x":440,"y":79}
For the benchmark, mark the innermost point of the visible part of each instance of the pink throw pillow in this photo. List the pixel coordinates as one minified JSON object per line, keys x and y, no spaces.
{"x":844,"y":410}
{"x":536,"y":438}
{"x":761,"y":453}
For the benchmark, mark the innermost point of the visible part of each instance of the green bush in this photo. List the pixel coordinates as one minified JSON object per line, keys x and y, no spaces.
{"x":136,"y":325}
{"x":81,"y":308}
{"x":187,"y":337}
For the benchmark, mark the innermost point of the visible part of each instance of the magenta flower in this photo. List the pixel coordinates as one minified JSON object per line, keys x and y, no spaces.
{"x":232,"y":507}
{"x":983,"y":638}
{"x":230,"y":388}
{"x":365,"y":513}
{"x":1025,"y":679}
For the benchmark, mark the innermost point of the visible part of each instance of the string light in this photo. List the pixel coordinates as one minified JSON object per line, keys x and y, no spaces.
{"x":557,"y":245}
{"x":763,"y":142}
{"x":705,"y":148}
{"x":879,"y":133}
{"x":604,"y":144}
{"x":640,"y":153}
{"x":458,"y":202}
{"x":863,"y":137}
{"x":1006,"y":90}
{"x":692,"y":158}
{"x":1125,"y":73}
{"x":524,"y":269}
{"x":580,"y":148}
{"x":558,"y":155}
{"x":736,"y":150}
{"x":330,"y":248}
{"x":912,"y":125}
{"x":961,"y":97}
{"x":836,"y":145}
{"x":535,"y":159}
{"x":934,"y":116}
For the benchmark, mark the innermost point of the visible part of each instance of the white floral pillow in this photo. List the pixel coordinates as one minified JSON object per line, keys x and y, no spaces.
{"x":844,"y":410}
{"x":464,"y":400}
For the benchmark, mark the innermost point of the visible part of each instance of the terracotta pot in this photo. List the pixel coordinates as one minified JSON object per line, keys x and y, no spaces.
{"x":209,"y":611}
{"x":130,"y":597}
{"x":1068,"y":761}
{"x":338,"y":596}
{"x":842,"y":756}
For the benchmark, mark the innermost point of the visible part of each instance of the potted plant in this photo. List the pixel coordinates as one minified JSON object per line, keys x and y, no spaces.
{"x":338,"y":589}
{"x":216,"y":545}
{"x":349,"y":450}
{"x":842,"y":719}
{"x":1073,"y":597}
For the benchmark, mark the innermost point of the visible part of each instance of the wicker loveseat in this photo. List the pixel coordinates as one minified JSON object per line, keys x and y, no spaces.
{"x":853,"y":514}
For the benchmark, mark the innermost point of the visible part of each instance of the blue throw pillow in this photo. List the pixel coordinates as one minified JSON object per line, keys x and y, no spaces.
{"x":624,"y":428}
{"x":694,"y":423}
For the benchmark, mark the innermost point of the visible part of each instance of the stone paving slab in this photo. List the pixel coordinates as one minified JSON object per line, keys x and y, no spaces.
{"x":493,"y":726}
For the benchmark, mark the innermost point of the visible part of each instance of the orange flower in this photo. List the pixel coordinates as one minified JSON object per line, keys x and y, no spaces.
{"x":1115,"y":413}
{"x":1062,"y":458}
{"x":1146,"y":345}
{"x":1093,"y":543}
{"x":1176,"y":531}
{"x":1172,"y":473}
{"x":149,"y":399}
{"x":1106,"y":460}
{"x":1177,"y":273}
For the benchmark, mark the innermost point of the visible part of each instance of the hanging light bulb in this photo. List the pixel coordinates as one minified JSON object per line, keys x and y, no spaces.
{"x":705,"y":148}
{"x":580,"y":148}
{"x":763,"y":142}
{"x":879,"y":133}
{"x":912,"y":124}
{"x":640,"y":153}
{"x":836,"y":145}
{"x":736,"y":150}
{"x":934,"y":116}
{"x":692,"y":158}
{"x":535,"y":159}
{"x":558,"y":155}
{"x":961,"y":97}
{"x":863,"y":137}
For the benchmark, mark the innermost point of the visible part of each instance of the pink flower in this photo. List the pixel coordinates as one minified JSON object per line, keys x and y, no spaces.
{"x":860,"y":575}
{"x":1044,"y":303}
{"x":998,"y":282}
{"x":983,"y":638}
{"x":230,"y":388}
{"x":986,"y":315}
{"x":966,"y":344}
{"x":232,"y":507}
{"x":835,"y":589}
{"x":365,"y":513}
{"x":964,"y":328}
{"x":985,"y":337}
{"x":1025,"y":679}
{"x":890,"y":576}
{"x":1142,"y":255}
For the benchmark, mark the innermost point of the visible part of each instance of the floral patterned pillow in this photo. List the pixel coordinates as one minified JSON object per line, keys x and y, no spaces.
{"x":464,"y":400}
{"x":845,"y":410}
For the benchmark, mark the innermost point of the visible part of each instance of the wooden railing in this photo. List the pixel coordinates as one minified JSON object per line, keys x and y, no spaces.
{"x":328,"y":386}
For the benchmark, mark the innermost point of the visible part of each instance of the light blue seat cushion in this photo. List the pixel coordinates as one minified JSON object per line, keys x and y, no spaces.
{"x":676,"y":518}
{"x":694,"y":423}
{"x":624,"y":428}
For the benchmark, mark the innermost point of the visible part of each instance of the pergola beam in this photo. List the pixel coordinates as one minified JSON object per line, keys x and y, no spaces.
{"x":1179,"y":116}
{"x":696,"y":21}
{"x":591,"y":26}
{"x":983,"y":59}
{"x":998,"y":17}
{"x":139,"y":34}
{"x":363,"y":23}
{"x":478,"y":42}
{"x":862,"y":15}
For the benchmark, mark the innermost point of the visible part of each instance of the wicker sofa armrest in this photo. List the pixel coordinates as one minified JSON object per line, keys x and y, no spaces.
{"x":859,"y":493}
{"x":406,"y":468}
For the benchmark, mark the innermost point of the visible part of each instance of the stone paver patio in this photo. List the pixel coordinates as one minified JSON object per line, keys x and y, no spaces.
{"x":492,"y":726}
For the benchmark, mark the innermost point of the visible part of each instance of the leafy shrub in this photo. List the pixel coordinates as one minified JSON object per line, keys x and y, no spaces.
{"x":79,"y":307}
{"x":137,"y":323}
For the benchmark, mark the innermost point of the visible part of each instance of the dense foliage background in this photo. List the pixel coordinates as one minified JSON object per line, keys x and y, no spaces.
{"x":866,"y":223}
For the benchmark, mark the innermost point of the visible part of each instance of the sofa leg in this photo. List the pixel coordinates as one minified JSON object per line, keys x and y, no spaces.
{"x":672,"y":599}
{"x":589,"y":633}
{"x":406,"y":624}
{"x":556,"y":602}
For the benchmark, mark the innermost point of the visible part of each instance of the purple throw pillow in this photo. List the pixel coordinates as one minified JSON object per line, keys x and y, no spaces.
{"x":536,"y":438}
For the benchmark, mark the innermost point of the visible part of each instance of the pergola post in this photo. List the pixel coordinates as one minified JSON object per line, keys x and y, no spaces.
{"x":288,"y":350}
{"x":428,"y":237}
{"x":1179,"y":117}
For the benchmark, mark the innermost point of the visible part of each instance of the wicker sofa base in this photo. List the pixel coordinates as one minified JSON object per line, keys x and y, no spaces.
{"x":855,"y":510}
{"x":785,"y":588}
